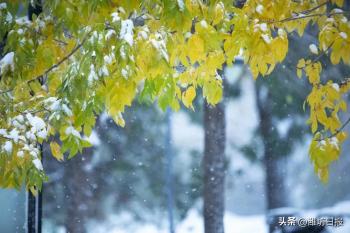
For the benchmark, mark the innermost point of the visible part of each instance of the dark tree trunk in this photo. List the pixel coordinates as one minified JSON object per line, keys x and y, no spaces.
{"x":78,"y":192}
{"x":274,"y":178}
{"x":34,"y":203}
{"x":214,"y":167}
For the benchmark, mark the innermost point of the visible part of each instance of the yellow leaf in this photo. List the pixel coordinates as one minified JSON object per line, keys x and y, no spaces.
{"x":299,"y":72}
{"x":195,"y":48}
{"x":56,"y":151}
{"x":219,"y":12}
{"x":323,"y":174}
{"x":188,"y":96}
{"x":338,"y":2}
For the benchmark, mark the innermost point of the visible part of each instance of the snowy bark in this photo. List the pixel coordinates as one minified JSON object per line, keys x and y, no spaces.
{"x":214,"y":168}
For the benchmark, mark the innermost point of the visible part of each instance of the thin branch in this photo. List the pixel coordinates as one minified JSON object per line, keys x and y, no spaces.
{"x":304,"y":16}
{"x":337,"y":131}
{"x":57,"y":64}
{"x":34,"y":111}
{"x":316,"y":59}
{"x":313,"y":9}
{"x":62,"y":60}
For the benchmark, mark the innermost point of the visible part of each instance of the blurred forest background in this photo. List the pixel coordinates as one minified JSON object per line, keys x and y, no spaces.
{"x":133,"y":177}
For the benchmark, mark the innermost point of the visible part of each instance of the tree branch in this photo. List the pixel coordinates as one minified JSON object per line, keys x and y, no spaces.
{"x":313,"y":9}
{"x":316,"y":59}
{"x":57,"y":64}
{"x":337,"y":131}
{"x":304,"y":17}
{"x":62,"y":60}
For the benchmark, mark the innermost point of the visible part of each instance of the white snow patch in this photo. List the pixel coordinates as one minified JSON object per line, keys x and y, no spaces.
{"x":313,"y":48}
{"x":204,"y":23}
{"x":3,"y":6}
{"x":160,"y":46}
{"x":259,"y":8}
{"x":93,"y":139}
{"x":23,"y":21}
{"x":9,"y":17}
{"x":126,"y":31}
{"x":92,"y":75}
{"x":124,"y":73}
{"x":7,"y":62}
{"x":109,"y":34}
{"x":335,"y":86}
{"x":67,"y":110}
{"x":334,"y":142}
{"x":14,"y":135}
{"x":181,"y":5}
{"x":8,"y":147}
{"x":122,"y":52}
{"x":263,"y":27}
{"x":193,"y":223}
{"x":72,"y":131}
{"x":108,"y":59}
{"x":54,"y":103}
{"x":281,"y":32}
{"x":115,"y":17}
{"x":343,"y":35}
{"x":3,"y":132}
{"x":37,"y":163}
{"x":266,"y":38}
{"x":20,"y":153}
{"x":103,"y":71}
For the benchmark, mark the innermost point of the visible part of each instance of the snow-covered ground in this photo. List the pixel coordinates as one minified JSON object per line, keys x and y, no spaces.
{"x":193,"y":223}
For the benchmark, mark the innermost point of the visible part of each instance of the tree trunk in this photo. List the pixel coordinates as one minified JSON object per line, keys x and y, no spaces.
{"x":274,"y":178}
{"x":214,"y":167}
{"x":78,"y":192}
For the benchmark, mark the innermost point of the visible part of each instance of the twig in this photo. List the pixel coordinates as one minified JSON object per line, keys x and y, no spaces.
{"x":319,"y":56}
{"x":304,"y":16}
{"x":62,"y":60}
{"x":55,"y":65}
{"x":313,"y":9}
{"x":337,"y":131}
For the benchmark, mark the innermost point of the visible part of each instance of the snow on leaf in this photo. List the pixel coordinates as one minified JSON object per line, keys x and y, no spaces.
{"x":313,"y":48}
{"x":7,"y":62}
{"x":263,"y":27}
{"x":126,"y":31}
{"x":266,"y":38}
{"x":115,"y":17}
{"x":343,"y":35}
{"x":259,"y":8}
{"x":37,"y":163}
{"x":3,"y":6}
{"x":335,"y":86}
{"x":8,"y":147}
{"x":181,"y":5}
{"x":70,"y":130}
